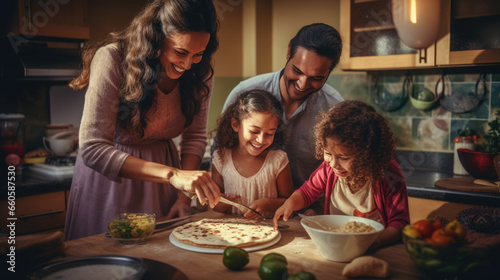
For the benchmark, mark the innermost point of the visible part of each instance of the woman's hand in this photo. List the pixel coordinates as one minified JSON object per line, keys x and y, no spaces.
{"x":180,"y":208}
{"x":198,"y":182}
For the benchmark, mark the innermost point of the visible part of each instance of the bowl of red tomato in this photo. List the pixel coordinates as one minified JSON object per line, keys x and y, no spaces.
{"x":442,"y":250}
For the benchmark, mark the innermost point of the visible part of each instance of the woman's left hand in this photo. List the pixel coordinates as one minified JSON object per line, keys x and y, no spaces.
{"x":180,"y":208}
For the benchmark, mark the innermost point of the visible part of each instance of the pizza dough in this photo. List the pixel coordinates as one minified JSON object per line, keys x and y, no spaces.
{"x":366,"y":266}
{"x":221,"y":233}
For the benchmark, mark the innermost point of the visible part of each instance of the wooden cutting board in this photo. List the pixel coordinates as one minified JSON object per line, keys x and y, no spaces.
{"x":464,"y":184}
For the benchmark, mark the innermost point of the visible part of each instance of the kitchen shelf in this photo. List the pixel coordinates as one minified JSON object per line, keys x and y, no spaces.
{"x":373,"y":28}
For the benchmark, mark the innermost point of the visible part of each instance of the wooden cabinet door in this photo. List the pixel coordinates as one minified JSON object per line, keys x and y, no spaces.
{"x":37,"y":213}
{"x":53,"y":18}
{"x":469,"y":33}
{"x":371,"y":41}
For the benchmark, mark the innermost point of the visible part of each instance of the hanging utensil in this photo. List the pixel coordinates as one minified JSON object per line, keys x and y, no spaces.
{"x":459,"y":101}
{"x":388,"y":100}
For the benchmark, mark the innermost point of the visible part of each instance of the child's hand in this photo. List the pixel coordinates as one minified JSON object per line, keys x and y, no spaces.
{"x":282,"y":211}
{"x":310,"y":212}
{"x":258,"y":205}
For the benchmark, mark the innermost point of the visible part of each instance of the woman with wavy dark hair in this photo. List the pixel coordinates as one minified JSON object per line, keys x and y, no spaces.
{"x":144,"y":86}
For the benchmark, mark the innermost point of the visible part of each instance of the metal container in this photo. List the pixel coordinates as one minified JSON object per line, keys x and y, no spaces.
{"x":96,"y":268}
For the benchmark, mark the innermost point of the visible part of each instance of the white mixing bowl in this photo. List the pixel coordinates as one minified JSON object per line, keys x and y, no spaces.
{"x":336,"y":246}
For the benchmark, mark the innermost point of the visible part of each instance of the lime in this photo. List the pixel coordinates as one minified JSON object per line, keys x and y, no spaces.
{"x":302,"y":275}
{"x":274,"y":257}
{"x":425,"y":95}
{"x":272,"y":270}
{"x":235,"y":258}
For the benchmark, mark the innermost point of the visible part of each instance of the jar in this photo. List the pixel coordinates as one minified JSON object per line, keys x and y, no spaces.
{"x":11,"y":140}
{"x":461,"y":142}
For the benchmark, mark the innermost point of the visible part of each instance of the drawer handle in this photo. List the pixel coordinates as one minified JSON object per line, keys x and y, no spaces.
{"x":25,"y":217}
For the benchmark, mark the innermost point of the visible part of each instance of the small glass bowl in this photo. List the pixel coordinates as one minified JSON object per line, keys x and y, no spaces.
{"x":131,"y":228}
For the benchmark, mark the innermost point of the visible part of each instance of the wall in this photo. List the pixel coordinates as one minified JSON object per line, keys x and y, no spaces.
{"x":290,"y":15}
{"x":259,"y":32}
{"x":111,"y":16}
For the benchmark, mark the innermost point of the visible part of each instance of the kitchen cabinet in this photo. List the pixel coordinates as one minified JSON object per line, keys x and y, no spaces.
{"x":37,"y":213}
{"x":471,"y":33}
{"x":468,"y":36}
{"x":50,"y":18}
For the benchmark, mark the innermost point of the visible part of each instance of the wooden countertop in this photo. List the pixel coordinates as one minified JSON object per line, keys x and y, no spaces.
{"x":295,"y":244}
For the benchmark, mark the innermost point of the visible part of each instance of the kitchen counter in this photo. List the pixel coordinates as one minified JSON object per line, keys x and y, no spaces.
{"x":295,"y":244}
{"x":28,"y":184}
{"x":420,"y":184}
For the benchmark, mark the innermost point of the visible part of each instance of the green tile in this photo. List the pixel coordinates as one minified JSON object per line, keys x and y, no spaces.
{"x":431,"y":134}
{"x":401,"y":128}
{"x":495,"y":77}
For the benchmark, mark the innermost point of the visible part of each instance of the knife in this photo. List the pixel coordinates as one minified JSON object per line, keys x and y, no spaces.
{"x":241,"y":207}
{"x":163,"y":225}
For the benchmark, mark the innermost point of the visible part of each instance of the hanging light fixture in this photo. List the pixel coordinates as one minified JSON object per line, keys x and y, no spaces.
{"x":417,"y":21}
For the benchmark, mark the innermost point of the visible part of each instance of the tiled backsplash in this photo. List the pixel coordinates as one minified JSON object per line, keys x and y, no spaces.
{"x":426,"y":137}
{"x":431,"y":130}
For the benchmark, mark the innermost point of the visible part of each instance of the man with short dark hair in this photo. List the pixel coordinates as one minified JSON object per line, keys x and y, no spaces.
{"x":300,"y":86}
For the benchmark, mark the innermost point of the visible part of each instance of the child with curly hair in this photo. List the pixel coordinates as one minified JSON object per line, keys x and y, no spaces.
{"x":359,"y":175}
{"x":246,"y":164}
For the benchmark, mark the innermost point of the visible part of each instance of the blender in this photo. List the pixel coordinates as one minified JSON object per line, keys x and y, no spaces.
{"x":11,"y":141}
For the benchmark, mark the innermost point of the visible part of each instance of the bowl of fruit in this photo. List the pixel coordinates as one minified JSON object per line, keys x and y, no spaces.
{"x":442,"y":250}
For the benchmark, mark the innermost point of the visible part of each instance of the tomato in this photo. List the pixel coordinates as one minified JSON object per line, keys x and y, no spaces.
{"x":424,"y":227}
{"x":455,"y":229}
{"x":271,"y":270}
{"x":273,"y":257}
{"x":235,"y":258}
{"x":302,"y":275}
{"x":436,"y":224}
{"x":440,"y":237}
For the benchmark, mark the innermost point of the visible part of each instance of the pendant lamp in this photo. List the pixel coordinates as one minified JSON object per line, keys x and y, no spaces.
{"x":417,"y":21}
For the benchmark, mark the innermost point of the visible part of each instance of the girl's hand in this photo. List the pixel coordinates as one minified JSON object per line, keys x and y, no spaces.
{"x":198,"y":182}
{"x":293,"y":203}
{"x":284,"y":211}
{"x":259,"y":205}
{"x":310,"y":212}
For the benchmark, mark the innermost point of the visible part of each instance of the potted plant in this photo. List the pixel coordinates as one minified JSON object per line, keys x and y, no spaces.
{"x":484,"y":162}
